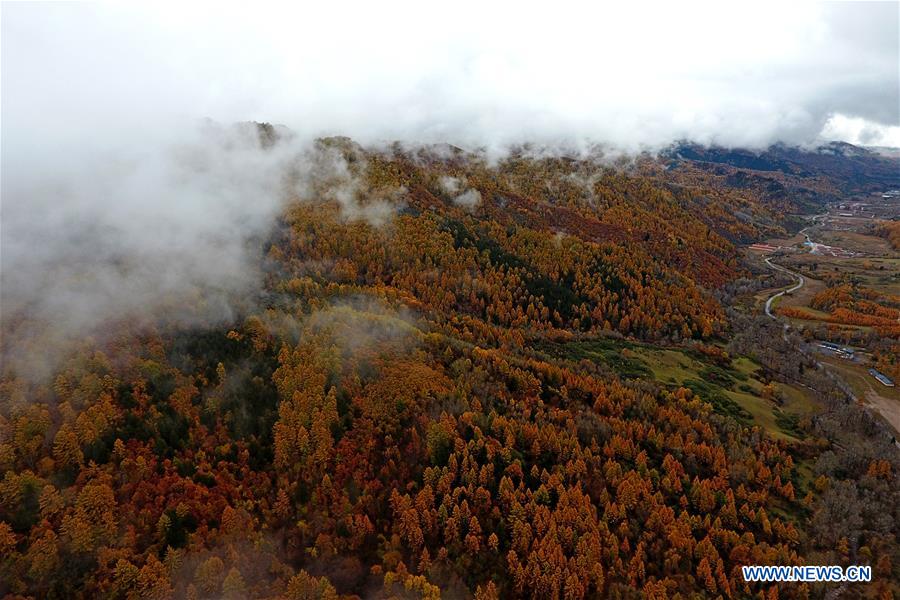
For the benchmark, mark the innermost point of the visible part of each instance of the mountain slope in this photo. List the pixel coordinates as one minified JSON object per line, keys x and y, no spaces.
{"x":436,"y":388}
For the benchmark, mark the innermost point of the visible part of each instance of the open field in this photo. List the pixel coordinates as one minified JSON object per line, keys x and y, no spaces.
{"x":859,"y":242}
{"x":866,"y":262}
{"x":885,"y":400}
{"x":795,"y":240}
{"x":880,"y":274}
{"x":739,"y":382}
{"x":804,"y":295}
{"x":797,"y":298}
{"x":873,"y":265}
{"x":736,"y":389}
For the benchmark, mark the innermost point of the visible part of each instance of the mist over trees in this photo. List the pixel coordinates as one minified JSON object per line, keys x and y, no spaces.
{"x":420,"y":301}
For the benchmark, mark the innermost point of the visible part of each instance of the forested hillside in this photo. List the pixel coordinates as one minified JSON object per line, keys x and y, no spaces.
{"x":433,"y":391}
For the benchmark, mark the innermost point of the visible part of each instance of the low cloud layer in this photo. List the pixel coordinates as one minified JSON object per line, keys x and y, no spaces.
{"x":115,"y":201}
{"x":462,"y":195}
{"x":169,"y":231}
{"x":734,"y":74}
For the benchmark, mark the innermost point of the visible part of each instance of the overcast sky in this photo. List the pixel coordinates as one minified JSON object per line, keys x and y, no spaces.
{"x":745,"y":73}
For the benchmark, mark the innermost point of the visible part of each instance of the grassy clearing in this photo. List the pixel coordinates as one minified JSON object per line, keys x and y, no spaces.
{"x":735,"y":389}
{"x":795,"y":240}
{"x":617,"y":355}
{"x":858,"y":378}
{"x":803,"y":477}
{"x":797,"y":399}
{"x":804,"y":295}
{"x":857,"y":242}
{"x":879,"y":273}
{"x":885,"y":400}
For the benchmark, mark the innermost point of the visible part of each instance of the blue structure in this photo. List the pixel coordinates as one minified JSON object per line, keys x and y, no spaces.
{"x":881,"y":377}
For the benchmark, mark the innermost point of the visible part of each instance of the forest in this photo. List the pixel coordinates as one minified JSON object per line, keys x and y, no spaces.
{"x":433,"y":391}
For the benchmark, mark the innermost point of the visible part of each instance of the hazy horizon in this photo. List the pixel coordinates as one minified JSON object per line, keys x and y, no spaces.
{"x":638,"y":77}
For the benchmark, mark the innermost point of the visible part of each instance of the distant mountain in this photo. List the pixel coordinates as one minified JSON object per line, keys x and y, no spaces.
{"x":808,"y":177}
{"x":852,"y":168}
{"x":888,"y":151}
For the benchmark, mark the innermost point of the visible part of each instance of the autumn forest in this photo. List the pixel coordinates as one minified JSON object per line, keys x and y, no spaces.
{"x":441,"y":384}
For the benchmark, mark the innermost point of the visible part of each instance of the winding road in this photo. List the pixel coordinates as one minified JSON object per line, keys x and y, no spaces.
{"x":842,"y":385}
{"x":796,"y":276}
{"x":799,"y":284}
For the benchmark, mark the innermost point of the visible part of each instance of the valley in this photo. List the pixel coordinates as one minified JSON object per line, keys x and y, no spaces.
{"x":840,"y":255}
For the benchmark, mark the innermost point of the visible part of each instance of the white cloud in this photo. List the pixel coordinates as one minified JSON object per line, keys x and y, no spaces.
{"x":451,"y":185}
{"x":469,"y":199}
{"x":632,"y":75}
{"x":462,"y":195}
{"x":857,"y":130}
